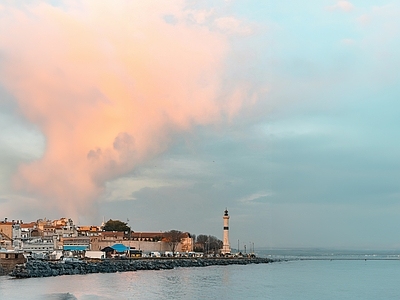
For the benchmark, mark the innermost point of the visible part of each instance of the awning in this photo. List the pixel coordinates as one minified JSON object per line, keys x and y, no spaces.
{"x":75,"y":248}
{"x":120,"y":247}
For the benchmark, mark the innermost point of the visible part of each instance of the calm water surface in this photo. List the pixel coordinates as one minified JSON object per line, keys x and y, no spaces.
{"x":301,"y":279}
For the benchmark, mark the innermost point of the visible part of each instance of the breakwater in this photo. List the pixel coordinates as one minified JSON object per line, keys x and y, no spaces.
{"x":40,"y":268}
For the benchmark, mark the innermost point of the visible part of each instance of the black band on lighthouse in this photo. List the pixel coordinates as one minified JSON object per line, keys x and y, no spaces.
{"x":226,"y":228}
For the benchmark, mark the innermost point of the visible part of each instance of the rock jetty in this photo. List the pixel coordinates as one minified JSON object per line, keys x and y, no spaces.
{"x":41,"y":268}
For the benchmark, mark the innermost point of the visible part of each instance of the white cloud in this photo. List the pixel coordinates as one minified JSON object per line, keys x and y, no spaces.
{"x":364,"y":19}
{"x":342,"y":5}
{"x":252,"y":198}
{"x":200,"y":17}
{"x":232,"y":25}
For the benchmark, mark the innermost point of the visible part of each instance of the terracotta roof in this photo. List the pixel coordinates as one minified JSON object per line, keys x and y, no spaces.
{"x":84,"y":227}
{"x":48,"y":226}
{"x":28,"y":225}
{"x":88,"y":228}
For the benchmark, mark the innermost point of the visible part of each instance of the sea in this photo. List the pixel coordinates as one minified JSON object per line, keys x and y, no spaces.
{"x":299,"y":274}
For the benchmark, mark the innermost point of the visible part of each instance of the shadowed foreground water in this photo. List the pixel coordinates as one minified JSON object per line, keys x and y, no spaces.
{"x":315,"y":279}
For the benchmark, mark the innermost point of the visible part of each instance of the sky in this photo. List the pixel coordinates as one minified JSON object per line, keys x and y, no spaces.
{"x":165,"y":113}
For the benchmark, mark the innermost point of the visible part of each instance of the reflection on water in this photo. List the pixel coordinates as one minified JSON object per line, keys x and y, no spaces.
{"x":181,"y":283}
{"x":311,"y":280}
{"x":59,"y":296}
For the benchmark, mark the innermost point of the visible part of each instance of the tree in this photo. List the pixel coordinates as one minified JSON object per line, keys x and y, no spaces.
{"x":209,"y":243}
{"x":214,"y":244}
{"x":173,"y":238}
{"x":202,"y":241}
{"x":116,"y":225}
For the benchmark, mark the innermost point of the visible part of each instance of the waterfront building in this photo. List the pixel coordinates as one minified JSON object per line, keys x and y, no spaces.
{"x":76,"y":246}
{"x":106,"y":239}
{"x":9,"y":259}
{"x":89,"y":230}
{"x":28,"y":231}
{"x":158,"y":241}
{"x":187,"y":243}
{"x":145,"y":241}
{"x":17,"y":236}
{"x":65,"y":228}
{"x":11,"y":232}
{"x":226,"y":249}
{"x":38,"y":246}
{"x":44,"y":236}
{"x":6,"y":228}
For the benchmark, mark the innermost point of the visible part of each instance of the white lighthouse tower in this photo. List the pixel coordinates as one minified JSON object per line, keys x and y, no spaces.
{"x":225,"y":247}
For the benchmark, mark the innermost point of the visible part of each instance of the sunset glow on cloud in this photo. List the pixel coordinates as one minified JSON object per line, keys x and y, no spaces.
{"x":108,"y":86}
{"x":166,"y":112}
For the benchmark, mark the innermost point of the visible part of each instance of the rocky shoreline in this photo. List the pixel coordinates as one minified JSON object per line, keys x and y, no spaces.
{"x":41,"y":268}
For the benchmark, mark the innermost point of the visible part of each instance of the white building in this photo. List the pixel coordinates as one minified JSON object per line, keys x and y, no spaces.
{"x":39,"y":246}
{"x":17,"y":236}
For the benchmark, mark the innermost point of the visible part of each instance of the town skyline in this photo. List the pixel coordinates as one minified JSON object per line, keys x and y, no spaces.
{"x":54,"y":238}
{"x":167,"y":112}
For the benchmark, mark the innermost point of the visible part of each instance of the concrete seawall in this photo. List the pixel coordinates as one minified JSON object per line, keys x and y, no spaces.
{"x":8,"y":261}
{"x":39,"y":268}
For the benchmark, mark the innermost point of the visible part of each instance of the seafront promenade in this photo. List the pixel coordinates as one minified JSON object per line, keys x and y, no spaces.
{"x":41,"y":268}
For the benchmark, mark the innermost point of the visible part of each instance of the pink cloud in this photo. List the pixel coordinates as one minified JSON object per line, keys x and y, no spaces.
{"x":342,"y":5}
{"x":108,"y":85}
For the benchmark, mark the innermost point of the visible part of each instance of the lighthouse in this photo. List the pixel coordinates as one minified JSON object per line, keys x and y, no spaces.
{"x":226,"y":249}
